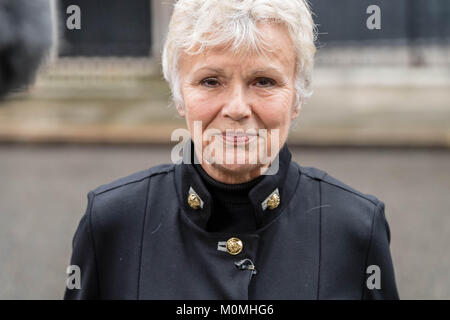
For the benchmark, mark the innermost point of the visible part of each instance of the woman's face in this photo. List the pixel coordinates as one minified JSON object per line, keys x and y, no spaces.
{"x":234,"y":97}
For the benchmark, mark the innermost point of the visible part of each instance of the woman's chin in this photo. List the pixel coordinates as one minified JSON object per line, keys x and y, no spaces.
{"x":240,"y":171}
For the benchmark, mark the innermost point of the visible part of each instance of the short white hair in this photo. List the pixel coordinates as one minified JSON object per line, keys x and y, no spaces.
{"x":199,"y":24}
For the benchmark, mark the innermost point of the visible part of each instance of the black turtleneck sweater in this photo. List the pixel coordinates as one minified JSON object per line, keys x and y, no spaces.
{"x":232,"y":210}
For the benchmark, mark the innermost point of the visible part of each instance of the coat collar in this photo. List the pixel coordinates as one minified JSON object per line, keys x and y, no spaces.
{"x":187,"y":180}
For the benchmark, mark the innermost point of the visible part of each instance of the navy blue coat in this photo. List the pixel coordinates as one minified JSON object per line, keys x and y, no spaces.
{"x":139,"y":239}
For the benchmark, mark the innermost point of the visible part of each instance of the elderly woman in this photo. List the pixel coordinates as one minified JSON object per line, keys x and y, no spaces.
{"x":236,"y":218}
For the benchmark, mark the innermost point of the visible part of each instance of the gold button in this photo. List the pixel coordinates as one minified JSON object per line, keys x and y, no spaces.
{"x":234,"y":246}
{"x":193,"y":201}
{"x":273,"y":201}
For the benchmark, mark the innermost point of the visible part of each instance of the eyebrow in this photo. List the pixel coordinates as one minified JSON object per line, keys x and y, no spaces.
{"x":268,"y":69}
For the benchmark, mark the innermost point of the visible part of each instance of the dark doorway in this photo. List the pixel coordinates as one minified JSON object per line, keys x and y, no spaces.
{"x":108,"y":28}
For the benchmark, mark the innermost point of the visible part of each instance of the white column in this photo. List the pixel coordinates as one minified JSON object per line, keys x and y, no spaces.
{"x":55,"y":27}
{"x":161,"y":12}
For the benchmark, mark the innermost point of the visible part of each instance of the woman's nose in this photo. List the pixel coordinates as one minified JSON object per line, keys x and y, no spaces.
{"x":237,"y":106}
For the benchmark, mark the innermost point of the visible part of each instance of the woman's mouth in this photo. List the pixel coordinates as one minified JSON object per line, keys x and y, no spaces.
{"x":238,"y":138}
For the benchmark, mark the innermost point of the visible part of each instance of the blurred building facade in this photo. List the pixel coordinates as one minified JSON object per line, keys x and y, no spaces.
{"x":411,"y":33}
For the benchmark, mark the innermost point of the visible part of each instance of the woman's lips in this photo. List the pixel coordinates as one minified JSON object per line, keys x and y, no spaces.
{"x":238,"y":138}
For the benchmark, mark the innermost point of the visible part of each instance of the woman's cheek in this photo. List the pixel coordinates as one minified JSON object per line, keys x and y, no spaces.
{"x":273,"y":113}
{"x":199,"y":107}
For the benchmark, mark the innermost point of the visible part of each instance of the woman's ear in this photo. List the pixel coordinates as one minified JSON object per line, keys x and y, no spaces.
{"x":180,"y":110}
{"x":296,"y":110}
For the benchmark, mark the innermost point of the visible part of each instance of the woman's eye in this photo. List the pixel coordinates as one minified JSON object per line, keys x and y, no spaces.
{"x":264,"y":82}
{"x":210,"y":82}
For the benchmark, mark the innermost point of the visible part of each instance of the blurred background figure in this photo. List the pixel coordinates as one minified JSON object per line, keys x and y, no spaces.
{"x":25,"y":39}
{"x":379,"y":119}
